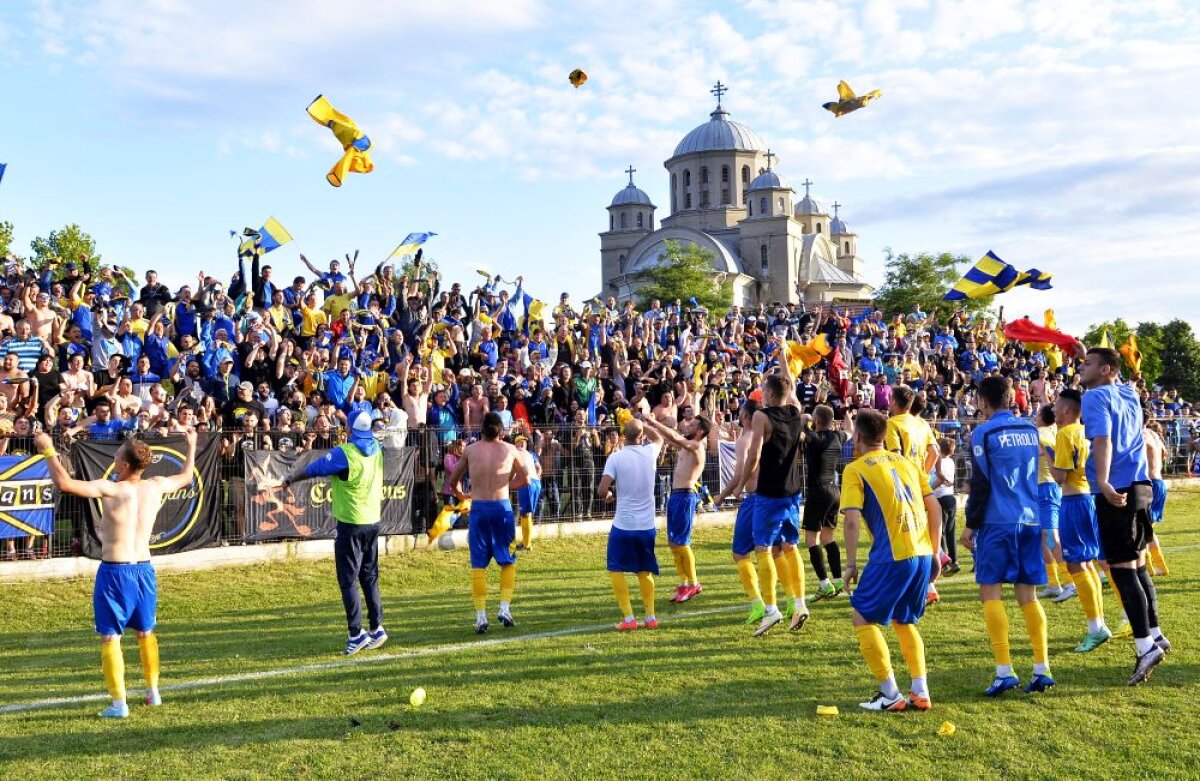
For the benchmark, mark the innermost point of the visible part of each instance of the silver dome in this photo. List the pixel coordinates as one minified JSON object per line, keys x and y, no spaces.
{"x":809,"y":205}
{"x":769,"y":180}
{"x":631,"y":196}
{"x":719,"y":133}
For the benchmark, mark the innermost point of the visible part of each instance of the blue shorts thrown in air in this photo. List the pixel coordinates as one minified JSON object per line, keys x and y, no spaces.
{"x":681,"y":513}
{"x":775,"y":518}
{"x":632,"y":551}
{"x":893,"y":590}
{"x":743,"y":527}
{"x":529,"y":496}
{"x":125,"y":595}
{"x":1158,"y":502}
{"x":1049,"y":501}
{"x":1010,"y":553}
{"x":491,"y":531}
{"x":1078,"y":531}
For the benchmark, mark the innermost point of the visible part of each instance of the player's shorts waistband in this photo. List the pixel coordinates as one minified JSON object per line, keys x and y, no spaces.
{"x":124,"y":563}
{"x":503,"y":504}
{"x":683,"y":490}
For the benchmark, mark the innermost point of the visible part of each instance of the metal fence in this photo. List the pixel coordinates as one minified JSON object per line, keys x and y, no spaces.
{"x":572,"y":461}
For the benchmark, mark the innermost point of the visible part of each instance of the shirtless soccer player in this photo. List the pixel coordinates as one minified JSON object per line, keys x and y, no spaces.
{"x":495,"y":468}
{"x":681,"y":506}
{"x":529,"y":496}
{"x":743,"y":526}
{"x":1156,"y":451}
{"x":126,"y":592}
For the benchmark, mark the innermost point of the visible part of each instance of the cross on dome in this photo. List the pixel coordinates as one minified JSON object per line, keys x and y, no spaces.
{"x":770,"y":156}
{"x":836,"y":206}
{"x":719,"y":89}
{"x":631,"y":171}
{"x":807,"y":183}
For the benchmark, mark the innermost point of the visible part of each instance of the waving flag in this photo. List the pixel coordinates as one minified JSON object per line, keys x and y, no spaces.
{"x":1025,"y":330}
{"x":1132,"y":355}
{"x":802,"y":356}
{"x":1105,"y":340}
{"x":355,"y":144}
{"x":411,"y":243}
{"x":991,"y":275}
{"x":2,"y":167}
{"x":271,"y":236}
{"x":26,"y":497}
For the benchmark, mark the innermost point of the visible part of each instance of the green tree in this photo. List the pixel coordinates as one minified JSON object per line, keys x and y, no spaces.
{"x":683,"y":271}
{"x":1118,"y":332}
{"x":66,"y":245}
{"x":923,"y":280}
{"x":6,"y":237}
{"x":1150,"y":343}
{"x":1181,"y":359}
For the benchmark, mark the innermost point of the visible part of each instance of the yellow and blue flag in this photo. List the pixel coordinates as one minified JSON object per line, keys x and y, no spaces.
{"x":271,"y":236}
{"x":355,"y":144}
{"x":1106,"y":340}
{"x":411,"y":244}
{"x":991,"y":275}
{"x":27,"y":506}
{"x":1132,"y":355}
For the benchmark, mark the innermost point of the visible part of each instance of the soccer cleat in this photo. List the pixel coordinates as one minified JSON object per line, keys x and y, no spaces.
{"x":520,"y":547}
{"x":650,"y":623}
{"x":1162,"y":642}
{"x":1001,"y":685}
{"x":357,"y":643}
{"x":153,"y":698}
{"x":376,"y":638}
{"x":932,"y":597}
{"x":839,"y":584}
{"x":1124,"y":630}
{"x":756,"y":613}
{"x":827,"y":591}
{"x":679,"y":591}
{"x":1040,"y":682}
{"x":1093,"y":640}
{"x":919,"y":702}
{"x":118,"y":710}
{"x":506,"y":618}
{"x":882,"y":702}
{"x":952,"y":568}
{"x":481,"y":626}
{"x":798,"y":621}
{"x":627,"y":626}
{"x":1066,"y":593}
{"x":1050,"y":592}
{"x":695,"y":591}
{"x":768,"y":622}
{"x":1145,"y":665}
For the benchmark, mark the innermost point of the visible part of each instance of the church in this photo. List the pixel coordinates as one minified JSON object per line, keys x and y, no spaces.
{"x":727,"y":198}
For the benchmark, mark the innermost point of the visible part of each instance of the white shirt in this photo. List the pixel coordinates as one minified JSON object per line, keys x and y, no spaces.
{"x":945,"y":468}
{"x":632,"y":470}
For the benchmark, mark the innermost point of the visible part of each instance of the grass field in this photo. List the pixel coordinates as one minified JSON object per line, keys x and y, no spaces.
{"x":698,"y":698}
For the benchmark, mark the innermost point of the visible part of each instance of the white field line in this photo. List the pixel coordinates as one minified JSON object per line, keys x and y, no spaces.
{"x":438,"y":650}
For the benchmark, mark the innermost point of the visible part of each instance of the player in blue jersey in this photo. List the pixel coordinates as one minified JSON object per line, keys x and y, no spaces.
{"x":1004,"y":532}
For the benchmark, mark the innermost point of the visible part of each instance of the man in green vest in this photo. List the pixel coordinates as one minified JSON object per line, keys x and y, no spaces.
{"x":357,"y":471}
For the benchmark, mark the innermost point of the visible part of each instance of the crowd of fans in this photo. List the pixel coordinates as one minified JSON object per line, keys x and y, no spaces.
{"x":282,"y":364}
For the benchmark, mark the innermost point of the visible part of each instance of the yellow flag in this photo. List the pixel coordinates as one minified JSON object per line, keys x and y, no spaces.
{"x":801,"y":356}
{"x":355,"y":144}
{"x":1106,"y":340}
{"x":1132,"y":355}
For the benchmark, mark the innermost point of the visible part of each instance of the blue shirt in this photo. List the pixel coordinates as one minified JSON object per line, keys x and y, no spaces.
{"x":337,"y":388}
{"x":1004,"y":473}
{"x":1114,"y":411}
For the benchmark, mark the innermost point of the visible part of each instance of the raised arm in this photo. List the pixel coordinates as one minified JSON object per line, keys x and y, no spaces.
{"x":672,"y":436}
{"x":184,"y":478}
{"x":88,"y":489}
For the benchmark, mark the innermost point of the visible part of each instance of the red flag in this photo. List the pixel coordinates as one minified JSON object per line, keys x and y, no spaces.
{"x":1025,"y":330}
{"x":839,"y":374}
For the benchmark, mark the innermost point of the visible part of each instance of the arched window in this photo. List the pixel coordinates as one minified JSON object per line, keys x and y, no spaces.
{"x":745,"y":175}
{"x":703,"y":174}
{"x":781,"y":209}
{"x":611,"y":220}
{"x":687,"y":178}
{"x":624,"y":221}
{"x":750,"y":206}
{"x":762,"y":256}
{"x":724,"y":173}
{"x":847,"y":247}
{"x":762,"y":206}
{"x":639,"y":219}
{"x":819,"y":228}
{"x":674,"y":188}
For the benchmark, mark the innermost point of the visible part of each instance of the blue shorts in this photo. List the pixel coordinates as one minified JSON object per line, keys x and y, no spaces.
{"x":1077,"y":530}
{"x":1009,"y":553}
{"x":528,"y":497}
{"x":893,"y":590}
{"x":789,"y":532}
{"x":126,"y":595}
{"x":743,"y":527}
{"x":681,"y":513}
{"x":1158,"y":502}
{"x":632,"y":551}
{"x":1049,"y":500}
{"x":771,"y":515}
{"x":491,"y":532}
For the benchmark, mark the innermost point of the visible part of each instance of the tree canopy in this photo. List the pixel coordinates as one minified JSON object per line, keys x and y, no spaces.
{"x":69,"y":244}
{"x":6,"y":237}
{"x":683,"y":271}
{"x":923,"y":280}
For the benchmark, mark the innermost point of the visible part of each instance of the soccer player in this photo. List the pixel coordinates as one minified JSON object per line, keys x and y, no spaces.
{"x":1077,"y":529}
{"x":743,"y":525}
{"x":1004,"y":532}
{"x":495,"y":468}
{"x":1049,"y":507}
{"x":681,"y":506}
{"x":909,"y":435}
{"x":1156,"y":451}
{"x":631,"y":539}
{"x":126,"y":590}
{"x":357,"y":487}
{"x":822,"y":449}
{"x":1120,"y":482}
{"x":894,"y":498}
{"x":529,"y":496}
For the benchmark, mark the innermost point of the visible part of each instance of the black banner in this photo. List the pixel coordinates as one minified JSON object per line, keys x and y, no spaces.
{"x":188,"y":519}
{"x":305,"y":509}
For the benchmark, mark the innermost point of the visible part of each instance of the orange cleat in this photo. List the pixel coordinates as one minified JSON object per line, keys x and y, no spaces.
{"x":627,"y":626}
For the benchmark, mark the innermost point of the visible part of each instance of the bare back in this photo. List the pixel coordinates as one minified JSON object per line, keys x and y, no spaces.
{"x":129,"y":511}
{"x":491,"y":465}
{"x":1155,"y":450}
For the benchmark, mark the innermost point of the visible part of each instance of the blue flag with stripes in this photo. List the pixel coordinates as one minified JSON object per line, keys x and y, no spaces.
{"x":26,"y":497}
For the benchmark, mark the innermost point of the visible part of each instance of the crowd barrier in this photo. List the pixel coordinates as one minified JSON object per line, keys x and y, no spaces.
{"x":572,"y":460}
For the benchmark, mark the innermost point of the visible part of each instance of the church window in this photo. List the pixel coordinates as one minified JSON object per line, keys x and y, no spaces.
{"x":704,"y":199}
{"x":847,"y":248}
{"x":762,"y":206}
{"x":781,"y":209}
{"x":674,"y":199}
{"x":750,"y":205}
{"x":687,"y":200}
{"x":624,"y":221}
{"x":745,"y":175}
{"x":610,"y":222}
{"x":687,"y":178}
{"x":762,"y":256}
{"x":703,"y":174}
{"x":640,"y":220}
{"x":724,"y":173}
{"x":819,"y":228}
{"x":724,"y":195}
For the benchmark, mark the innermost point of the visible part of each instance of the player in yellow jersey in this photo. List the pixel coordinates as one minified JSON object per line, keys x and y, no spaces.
{"x":909,"y":435}
{"x":1077,"y":527}
{"x":1060,"y":588}
{"x":892,"y":497}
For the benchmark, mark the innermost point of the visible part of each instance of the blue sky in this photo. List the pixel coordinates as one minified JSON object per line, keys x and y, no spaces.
{"x":1059,"y":135}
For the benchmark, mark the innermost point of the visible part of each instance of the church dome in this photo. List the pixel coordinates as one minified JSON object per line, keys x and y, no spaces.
{"x":809,"y":205}
{"x":838,"y":226}
{"x":720,"y":133}
{"x":769,"y":180}
{"x":630,"y":195}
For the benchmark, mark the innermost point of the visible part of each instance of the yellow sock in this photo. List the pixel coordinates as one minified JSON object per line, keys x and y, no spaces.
{"x":1156,"y":556}
{"x":1064,"y":574}
{"x":621,"y":589}
{"x":996,"y":621}
{"x":1035,"y":627}
{"x":680,"y":565}
{"x":767,"y":577}
{"x":646,"y":585}
{"x":796,"y":570}
{"x":1052,"y":574}
{"x":148,"y":650}
{"x":479,"y":588}
{"x":746,"y":574}
{"x":508,"y":582}
{"x":1089,"y":597}
{"x":874,"y":650}
{"x":689,"y":564}
{"x":783,"y":566}
{"x":526,"y":531}
{"x":112,"y":662}
{"x":912,"y":647}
